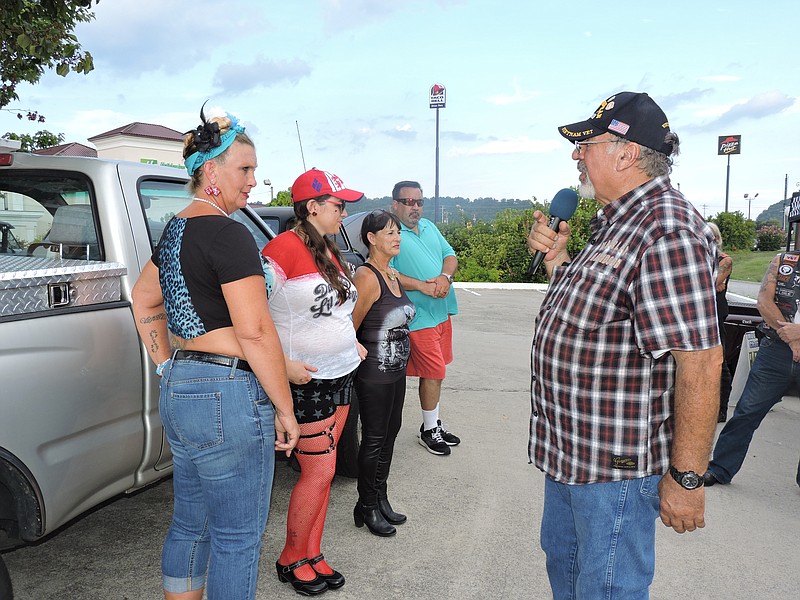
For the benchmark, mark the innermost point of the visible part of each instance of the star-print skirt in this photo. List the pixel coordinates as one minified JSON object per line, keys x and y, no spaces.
{"x":318,"y":399}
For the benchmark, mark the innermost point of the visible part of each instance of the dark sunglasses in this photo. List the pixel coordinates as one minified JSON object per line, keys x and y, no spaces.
{"x":411,"y":201}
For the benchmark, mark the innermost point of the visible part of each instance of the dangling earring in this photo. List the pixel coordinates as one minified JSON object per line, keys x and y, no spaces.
{"x":212,"y":190}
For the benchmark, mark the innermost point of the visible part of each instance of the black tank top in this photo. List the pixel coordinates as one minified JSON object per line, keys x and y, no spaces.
{"x":384,"y":333}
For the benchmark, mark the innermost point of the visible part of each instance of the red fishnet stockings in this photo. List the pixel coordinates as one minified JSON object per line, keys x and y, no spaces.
{"x":308,"y":505}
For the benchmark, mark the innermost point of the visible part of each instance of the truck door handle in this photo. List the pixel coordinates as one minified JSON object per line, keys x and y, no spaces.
{"x":58,"y":294}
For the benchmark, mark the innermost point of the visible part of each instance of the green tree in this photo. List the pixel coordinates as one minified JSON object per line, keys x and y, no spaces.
{"x":37,"y":141}
{"x":36,"y":35}
{"x":738,"y":232}
{"x":284,"y":198}
{"x":498,"y":251}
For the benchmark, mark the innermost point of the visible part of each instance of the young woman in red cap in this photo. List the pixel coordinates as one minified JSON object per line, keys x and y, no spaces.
{"x":311,"y":298}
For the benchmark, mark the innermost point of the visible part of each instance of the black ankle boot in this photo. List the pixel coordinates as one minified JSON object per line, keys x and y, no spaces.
{"x":374,"y":520}
{"x":395,"y":518}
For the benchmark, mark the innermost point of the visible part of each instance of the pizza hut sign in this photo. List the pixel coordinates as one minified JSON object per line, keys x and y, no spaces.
{"x":729,"y":144}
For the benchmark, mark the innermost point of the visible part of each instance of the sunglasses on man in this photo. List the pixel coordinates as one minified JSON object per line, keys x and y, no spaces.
{"x":411,"y":201}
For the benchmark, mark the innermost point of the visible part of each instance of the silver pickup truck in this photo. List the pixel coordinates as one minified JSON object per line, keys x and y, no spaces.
{"x":79,"y":419}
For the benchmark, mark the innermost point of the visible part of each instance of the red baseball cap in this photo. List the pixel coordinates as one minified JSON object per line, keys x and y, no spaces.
{"x":315,"y":183}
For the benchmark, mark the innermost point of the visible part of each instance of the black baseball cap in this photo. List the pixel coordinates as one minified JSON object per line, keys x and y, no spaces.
{"x":631,"y":115}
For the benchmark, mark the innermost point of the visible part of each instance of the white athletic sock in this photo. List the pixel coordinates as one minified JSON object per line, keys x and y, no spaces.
{"x":430,"y":418}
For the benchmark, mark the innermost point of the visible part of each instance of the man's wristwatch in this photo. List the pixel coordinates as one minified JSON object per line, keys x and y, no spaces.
{"x":688,"y":480}
{"x":449,"y":278}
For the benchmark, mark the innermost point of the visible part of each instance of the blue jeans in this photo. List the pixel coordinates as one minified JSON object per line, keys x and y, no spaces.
{"x":599,"y":538}
{"x":220,"y":425}
{"x":770,"y":378}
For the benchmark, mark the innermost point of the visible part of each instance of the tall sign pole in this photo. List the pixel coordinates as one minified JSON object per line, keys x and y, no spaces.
{"x":437,"y":101}
{"x":727,"y":145}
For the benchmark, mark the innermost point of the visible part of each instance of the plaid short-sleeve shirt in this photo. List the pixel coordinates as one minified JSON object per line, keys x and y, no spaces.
{"x":602,"y":376}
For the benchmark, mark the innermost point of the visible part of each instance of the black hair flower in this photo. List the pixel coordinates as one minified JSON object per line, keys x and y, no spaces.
{"x":207,"y":135}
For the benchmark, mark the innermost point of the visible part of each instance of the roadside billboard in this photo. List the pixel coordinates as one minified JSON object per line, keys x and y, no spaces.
{"x":729,"y":144}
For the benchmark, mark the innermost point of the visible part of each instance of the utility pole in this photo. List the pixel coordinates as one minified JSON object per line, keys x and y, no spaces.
{"x":785,"y":198}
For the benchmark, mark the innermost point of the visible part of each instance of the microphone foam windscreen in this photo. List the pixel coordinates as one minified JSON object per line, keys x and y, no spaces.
{"x":564,"y":204}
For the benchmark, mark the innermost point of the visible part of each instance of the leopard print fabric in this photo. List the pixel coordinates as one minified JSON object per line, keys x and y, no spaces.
{"x":182,"y":318}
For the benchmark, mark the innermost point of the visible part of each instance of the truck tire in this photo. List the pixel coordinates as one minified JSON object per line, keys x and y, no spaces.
{"x":347,"y":450}
{"x":6,"y":593}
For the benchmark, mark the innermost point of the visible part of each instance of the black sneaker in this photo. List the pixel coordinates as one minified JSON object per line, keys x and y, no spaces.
{"x":449,"y":438}
{"x":431,"y":440}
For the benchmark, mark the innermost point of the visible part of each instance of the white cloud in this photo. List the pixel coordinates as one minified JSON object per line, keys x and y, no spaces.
{"x":767,"y":104}
{"x":402,"y":132}
{"x":720,"y":78}
{"x":132,"y":38}
{"x":88,"y":123}
{"x":236,"y":78}
{"x":518,"y":96}
{"x":518,"y":145}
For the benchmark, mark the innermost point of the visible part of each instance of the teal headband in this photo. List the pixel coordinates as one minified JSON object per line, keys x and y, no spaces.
{"x":194,"y":161}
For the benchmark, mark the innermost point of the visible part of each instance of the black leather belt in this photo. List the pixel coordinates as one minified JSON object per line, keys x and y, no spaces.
{"x":223,"y":360}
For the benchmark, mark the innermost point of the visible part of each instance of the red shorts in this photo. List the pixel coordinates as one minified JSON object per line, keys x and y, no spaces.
{"x":431,"y":351}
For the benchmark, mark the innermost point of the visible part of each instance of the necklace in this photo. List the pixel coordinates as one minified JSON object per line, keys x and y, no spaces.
{"x":212,"y":204}
{"x":390,"y":273}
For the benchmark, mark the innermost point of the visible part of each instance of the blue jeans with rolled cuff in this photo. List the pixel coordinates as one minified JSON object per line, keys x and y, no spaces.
{"x":220,"y":426}
{"x":599,"y":538}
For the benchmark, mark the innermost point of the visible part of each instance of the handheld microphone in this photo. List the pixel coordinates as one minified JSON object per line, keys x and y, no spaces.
{"x":561,"y":209}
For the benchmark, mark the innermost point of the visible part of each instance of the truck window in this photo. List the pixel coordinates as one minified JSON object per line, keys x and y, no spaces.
{"x":274,"y":223}
{"x":162,"y":200}
{"x":48,"y":214}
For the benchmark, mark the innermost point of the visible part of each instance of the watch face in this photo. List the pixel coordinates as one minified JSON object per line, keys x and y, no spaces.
{"x":690,"y":480}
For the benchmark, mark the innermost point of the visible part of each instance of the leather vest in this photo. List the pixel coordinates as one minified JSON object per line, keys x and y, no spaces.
{"x":787,"y":289}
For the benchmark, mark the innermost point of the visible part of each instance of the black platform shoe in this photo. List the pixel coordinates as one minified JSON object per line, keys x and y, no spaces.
{"x":335,"y":580}
{"x":395,"y":518}
{"x":305,"y":588}
{"x":375,"y":521}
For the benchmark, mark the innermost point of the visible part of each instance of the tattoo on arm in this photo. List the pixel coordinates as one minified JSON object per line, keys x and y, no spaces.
{"x":153,"y":341}
{"x":771,"y":276}
{"x":725,"y":268}
{"x":159,"y":317}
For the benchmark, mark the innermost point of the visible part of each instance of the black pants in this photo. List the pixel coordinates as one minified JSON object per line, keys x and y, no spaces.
{"x":726,"y":380}
{"x":381,"y":410}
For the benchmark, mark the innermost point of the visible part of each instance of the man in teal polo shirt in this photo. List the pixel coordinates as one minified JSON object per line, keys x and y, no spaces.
{"x":426,"y":265}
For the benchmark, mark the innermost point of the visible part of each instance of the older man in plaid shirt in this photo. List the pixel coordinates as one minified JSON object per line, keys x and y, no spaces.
{"x":626,"y":360}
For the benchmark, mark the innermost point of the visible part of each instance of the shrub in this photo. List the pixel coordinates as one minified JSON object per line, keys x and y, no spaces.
{"x":770,"y":237}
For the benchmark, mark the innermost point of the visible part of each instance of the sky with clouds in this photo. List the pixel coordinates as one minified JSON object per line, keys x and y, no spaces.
{"x":353,"y":76}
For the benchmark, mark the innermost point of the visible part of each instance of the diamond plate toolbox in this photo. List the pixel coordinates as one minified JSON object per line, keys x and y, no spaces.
{"x":33,"y":285}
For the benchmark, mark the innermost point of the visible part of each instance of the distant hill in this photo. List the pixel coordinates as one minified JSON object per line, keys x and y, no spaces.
{"x":773,"y":212}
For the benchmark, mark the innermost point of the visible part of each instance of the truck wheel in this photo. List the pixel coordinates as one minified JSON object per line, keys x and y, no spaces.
{"x":347,"y":450}
{"x":5,"y":582}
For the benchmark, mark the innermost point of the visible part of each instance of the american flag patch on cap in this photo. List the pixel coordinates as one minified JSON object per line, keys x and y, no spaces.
{"x":619,"y":127}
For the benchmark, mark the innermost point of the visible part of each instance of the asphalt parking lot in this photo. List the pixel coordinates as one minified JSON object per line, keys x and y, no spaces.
{"x":473,"y":516}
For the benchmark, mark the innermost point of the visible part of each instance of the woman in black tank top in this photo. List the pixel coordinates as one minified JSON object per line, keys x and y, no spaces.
{"x":381,"y":318}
